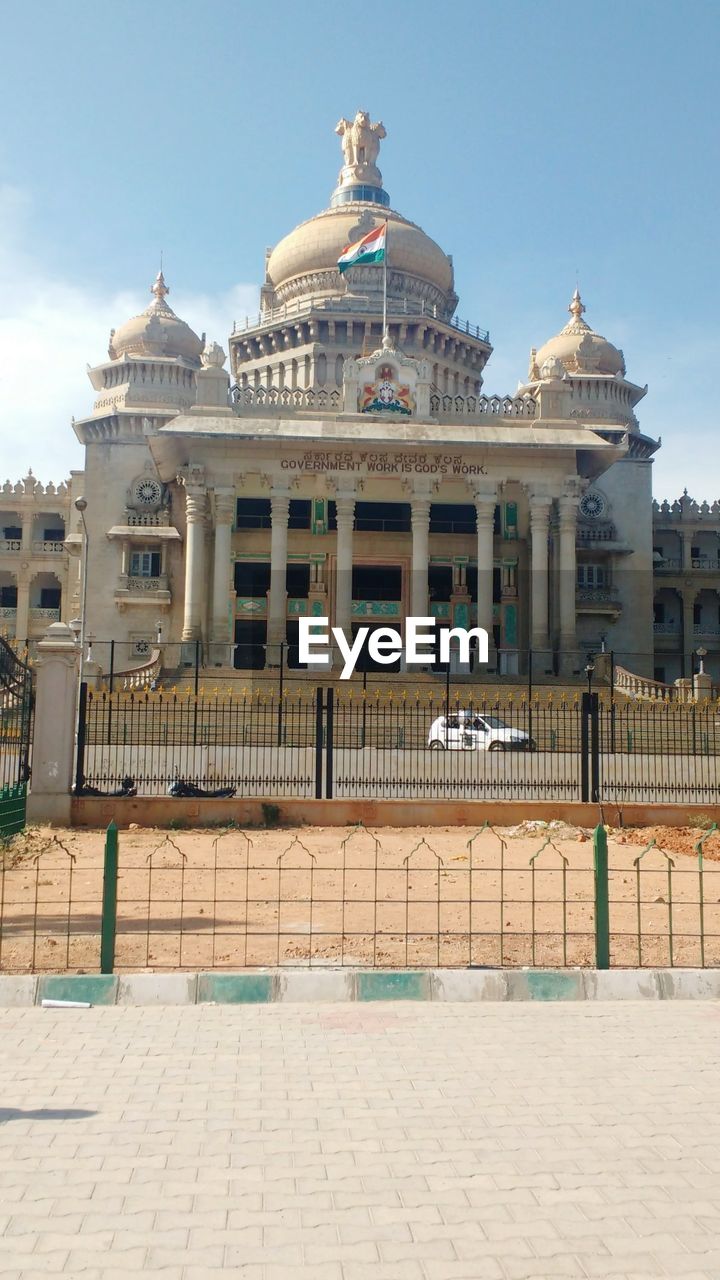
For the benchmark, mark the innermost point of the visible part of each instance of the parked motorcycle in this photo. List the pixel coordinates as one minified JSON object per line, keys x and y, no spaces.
{"x":126,"y":788}
{"x":184,"y":790}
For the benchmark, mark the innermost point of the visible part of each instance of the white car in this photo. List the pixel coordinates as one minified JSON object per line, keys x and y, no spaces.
{"x":471,"y":731}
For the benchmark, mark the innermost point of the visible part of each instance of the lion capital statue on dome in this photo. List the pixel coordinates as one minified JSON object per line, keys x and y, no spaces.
{"x":361,"y":145}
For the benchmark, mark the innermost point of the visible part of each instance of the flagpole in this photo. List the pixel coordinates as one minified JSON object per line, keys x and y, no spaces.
{"x":385,"y":258}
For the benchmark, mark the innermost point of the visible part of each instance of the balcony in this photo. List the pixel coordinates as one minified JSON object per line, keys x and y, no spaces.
{"x":667,"y":628}
{"x":673,"y":564}
{"x":10,"y":544}
{"x":376,"y":608}
{"x":706,"y":629}
{"x":39,"y":619}
{"x":47,"y":547}
{"x":142,"y":591}
{"x":8,"y":618}
{"x":601,"y":600}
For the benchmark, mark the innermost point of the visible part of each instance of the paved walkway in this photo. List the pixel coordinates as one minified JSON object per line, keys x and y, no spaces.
{"x":365,"y":1142}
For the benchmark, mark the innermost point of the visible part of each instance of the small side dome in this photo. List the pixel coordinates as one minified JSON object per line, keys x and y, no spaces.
{"x":578,"y":349}
{"x":157,"y":332}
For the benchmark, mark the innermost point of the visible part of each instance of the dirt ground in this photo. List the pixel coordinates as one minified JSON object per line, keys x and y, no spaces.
{"x":440,"y":896}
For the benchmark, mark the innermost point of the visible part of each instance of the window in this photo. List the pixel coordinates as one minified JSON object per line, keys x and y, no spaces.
{"x":471,"y":577}
{"x":12,"y":532}
{"x":53,"y":535}
{"x":659,"y":675}
{"x":452,"y":517}
{"x":252,"y":577}
{"x":253,"y":513}
{"x":299,"y":514}
{"x":297,"y":581}
{"x":697,"y":615}
{"x":592,"y":575}
{"x":695,"y":553}
{"x":50,"y":597}
{"x":440,"y":582}
{"x":376,"y":582}
{"x":145,"y":564}
{"x":659,"y":611}
{"x":8,"y":597}
{"x":658,"y":551}
{"x":382,"y":517}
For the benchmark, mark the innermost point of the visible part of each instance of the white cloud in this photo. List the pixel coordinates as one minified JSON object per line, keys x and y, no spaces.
{"x":50,"y":330}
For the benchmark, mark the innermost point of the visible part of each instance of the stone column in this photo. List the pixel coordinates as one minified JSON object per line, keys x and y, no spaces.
{"x":687,"y":536}
{"x":196,"y":514}
{"x":58,"y":669}
{"x":277,"y":596}
{"x":567,"y":508}
{"x":485,"y":503}
{"x":539,"y":527}
{"x":345,"y":506}
{"x":22,"y":616}
{"x":420,"y":520}
{"x":224,"y":511}
{"x":27,"y":519}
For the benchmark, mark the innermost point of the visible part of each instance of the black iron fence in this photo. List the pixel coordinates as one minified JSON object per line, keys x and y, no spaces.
{"x":383,"y":744}
{"x":16,"y":701}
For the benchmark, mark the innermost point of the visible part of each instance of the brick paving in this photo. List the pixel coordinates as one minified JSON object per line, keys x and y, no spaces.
{"x":361,"y":1142}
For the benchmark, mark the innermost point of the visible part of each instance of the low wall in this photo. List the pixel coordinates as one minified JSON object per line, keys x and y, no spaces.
{"x":161,"y":811}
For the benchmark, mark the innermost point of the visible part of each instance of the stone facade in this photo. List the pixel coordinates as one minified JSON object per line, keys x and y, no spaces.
{"x":686,"y":584}
{"x":352,"y":465}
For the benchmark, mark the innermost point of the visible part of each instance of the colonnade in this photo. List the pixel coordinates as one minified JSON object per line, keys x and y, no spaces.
{"x":541,"y":501}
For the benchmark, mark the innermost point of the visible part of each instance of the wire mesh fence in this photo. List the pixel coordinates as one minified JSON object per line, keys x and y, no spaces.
{"x":247,"y":899}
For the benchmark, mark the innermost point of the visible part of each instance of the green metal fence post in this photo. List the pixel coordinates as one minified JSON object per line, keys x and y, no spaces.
{"x":602,"y":898}
{"x":108,"y":924}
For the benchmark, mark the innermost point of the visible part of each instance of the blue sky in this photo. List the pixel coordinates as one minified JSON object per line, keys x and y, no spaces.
{"x":537,"y":142}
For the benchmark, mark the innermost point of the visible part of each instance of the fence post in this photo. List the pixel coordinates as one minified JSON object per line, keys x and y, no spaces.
{"x":108,"y":924}
{"x":602,"y":898}
{"x":594,"y":709}
{"x":318,"y":743}
{"x":584,"y":748}
{"x":330,"y":737}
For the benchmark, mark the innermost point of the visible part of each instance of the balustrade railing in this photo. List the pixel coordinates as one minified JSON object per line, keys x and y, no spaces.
{"x":48,"y":546}
{"x":359,"y":306}
{"x":10,"y":544}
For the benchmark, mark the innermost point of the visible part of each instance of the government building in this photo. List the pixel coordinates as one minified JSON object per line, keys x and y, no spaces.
{"x":344,"y":460}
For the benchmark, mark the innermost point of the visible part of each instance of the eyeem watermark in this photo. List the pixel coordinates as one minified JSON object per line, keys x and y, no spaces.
{"x":385,"y":644}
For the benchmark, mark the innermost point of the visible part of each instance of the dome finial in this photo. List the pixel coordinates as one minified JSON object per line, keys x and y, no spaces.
{"x":576,"y":307}
{"x":159,"y":288}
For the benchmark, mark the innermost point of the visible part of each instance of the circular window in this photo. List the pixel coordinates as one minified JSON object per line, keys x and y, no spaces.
{"x":592,"y":505}
{"x":147,"y":492}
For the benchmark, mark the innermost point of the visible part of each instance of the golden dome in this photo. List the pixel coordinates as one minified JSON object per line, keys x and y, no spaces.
{"x":579,"y":349}
{"x":304,"y":263}
{"x":157,"y":332}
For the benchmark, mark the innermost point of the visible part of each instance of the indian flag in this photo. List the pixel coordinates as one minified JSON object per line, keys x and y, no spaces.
{"x":370,"y":249}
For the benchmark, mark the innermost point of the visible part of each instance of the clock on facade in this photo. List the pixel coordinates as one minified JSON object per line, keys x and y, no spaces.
{"x":592,"y":505}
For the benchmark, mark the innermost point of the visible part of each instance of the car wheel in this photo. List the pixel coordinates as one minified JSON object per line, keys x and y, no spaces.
{"x":496,"y":746}
{"x":437,"y":746}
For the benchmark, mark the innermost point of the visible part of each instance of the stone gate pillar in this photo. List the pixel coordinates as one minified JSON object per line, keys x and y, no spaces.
{"x":58,"y":671}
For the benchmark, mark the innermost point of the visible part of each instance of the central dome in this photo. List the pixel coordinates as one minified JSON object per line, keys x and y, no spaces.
{"x":304,"y":264}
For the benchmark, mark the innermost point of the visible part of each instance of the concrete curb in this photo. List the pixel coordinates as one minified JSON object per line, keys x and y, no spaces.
{"x":310,"y":986}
